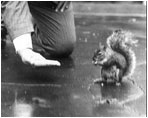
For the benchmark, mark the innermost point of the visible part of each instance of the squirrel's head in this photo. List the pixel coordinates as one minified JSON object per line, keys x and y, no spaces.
{"x":99,"y":55}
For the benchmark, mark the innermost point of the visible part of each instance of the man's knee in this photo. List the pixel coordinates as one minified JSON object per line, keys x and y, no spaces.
{"x":65,"y":49}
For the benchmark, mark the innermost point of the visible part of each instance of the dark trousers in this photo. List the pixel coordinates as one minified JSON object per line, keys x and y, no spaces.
{"x":54,"y":32}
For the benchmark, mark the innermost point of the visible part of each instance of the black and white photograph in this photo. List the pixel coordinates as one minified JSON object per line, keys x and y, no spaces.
{"x":73,"y":58}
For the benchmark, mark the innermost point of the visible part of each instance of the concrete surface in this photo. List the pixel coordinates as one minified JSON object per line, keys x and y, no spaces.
{"x":71,"y":90}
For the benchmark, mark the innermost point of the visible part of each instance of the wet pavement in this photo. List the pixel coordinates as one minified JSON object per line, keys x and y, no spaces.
{"x":72,"y":90}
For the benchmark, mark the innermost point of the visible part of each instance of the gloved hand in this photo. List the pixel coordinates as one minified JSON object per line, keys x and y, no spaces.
{"x":23,"y":47}
{"x":35,"y":59}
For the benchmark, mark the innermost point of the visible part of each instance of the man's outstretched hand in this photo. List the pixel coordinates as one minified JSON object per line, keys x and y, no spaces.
{"x":35,"y":59}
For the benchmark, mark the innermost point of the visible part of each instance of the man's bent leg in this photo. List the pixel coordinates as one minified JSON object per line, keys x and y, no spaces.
{"x":55,"y":31}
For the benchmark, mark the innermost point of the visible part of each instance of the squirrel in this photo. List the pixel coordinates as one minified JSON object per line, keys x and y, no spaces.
{"x":117,"y":59}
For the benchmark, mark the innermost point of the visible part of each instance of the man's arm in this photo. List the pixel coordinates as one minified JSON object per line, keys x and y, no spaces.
{"x":17,"y":18}
{"x":18,"y":21}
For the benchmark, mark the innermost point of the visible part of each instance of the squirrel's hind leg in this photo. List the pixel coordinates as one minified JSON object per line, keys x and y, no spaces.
{"x":104,"y":75}
{"x":118,"y":78}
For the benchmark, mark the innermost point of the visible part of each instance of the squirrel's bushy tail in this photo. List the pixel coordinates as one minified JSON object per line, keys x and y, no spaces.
{"x":122,"y":42}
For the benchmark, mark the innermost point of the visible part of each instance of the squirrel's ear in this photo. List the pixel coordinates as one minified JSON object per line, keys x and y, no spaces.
{"x":96,"y":51}
{"x":101,"y":46}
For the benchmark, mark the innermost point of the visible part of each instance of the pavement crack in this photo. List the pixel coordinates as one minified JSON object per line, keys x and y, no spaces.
{"x":32,"y":85}
{"x":134,"y":83}
{"x":141,"y":63}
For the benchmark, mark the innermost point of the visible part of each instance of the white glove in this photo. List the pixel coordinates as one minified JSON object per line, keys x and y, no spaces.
{"x":23,"y":47}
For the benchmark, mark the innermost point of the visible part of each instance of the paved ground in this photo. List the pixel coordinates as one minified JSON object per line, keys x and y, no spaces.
{"x":70,"y":90}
